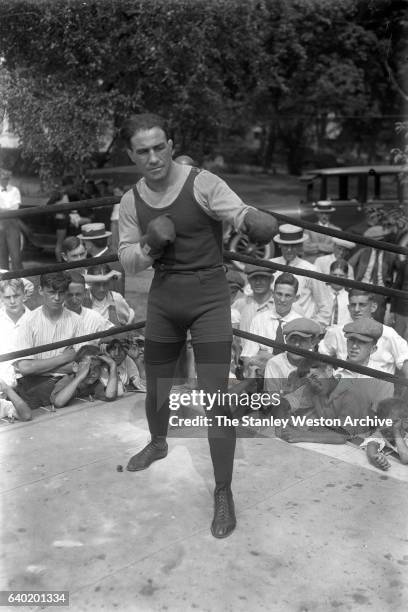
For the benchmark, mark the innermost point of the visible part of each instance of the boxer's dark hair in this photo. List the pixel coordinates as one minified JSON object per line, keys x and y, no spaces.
{"x":141,"y":122}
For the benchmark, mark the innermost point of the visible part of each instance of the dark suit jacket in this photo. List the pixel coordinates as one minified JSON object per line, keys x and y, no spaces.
{"x":360,"y":260}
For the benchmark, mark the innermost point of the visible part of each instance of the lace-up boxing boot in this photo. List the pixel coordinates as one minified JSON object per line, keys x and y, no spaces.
{"x":156,"y":449}
{"x":224,"y":521}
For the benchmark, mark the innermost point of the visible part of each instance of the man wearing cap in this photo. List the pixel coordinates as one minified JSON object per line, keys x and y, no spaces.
{"x":301,"y":333}
{"x":95,"y":238}
{"x":391,"y":353}
{"x":314,"y":298}
{"x":341,"y":250}
{"x":270,"y":323}
{"x":261,"y":298}
{"x":320,"y":244}
{"x":10,"y":247}
{"x":172,"y":219}
{"x":376,"y":267}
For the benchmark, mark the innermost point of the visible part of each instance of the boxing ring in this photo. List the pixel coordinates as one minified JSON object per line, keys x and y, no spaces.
{"x":311,"y":533}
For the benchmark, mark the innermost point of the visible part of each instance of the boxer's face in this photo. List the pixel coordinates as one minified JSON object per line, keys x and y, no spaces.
{"x":151,"y":152}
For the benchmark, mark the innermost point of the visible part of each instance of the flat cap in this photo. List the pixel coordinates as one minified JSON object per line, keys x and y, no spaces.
{"x":235,"y":279}
{"x":364,"y":329}
{"x":252,"y":270}
{"x":302,"y":327}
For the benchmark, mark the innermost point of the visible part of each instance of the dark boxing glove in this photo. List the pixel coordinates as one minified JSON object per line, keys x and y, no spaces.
{"x":160,"y":232}
{"x":259,"y":226}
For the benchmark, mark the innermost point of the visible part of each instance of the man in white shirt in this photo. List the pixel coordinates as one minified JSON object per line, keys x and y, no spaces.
{"x":12,"y":315}
{"x":92,"y":321}
{"x":339,"y":296}
{"x":314,"y":297}
{"x":270,"y":323}
{"x":341,"y":248}
{"x":320,"y":244}
{"x":260,"y":300}
{"x":10,"y":247}
{"x":392,"y":350}
{"x":49,"y":323}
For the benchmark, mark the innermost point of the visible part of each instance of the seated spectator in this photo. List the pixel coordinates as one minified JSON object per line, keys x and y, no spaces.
{"x":339,"y":397}
{"x":394,"y":437}
{"x":338,"y":294}
{"x":300,"y":333}
{"x":85,"y":382}
{"x":73,"y":249}
{"x":269,"y":323}
{"x":27,"y":284}
{"x":95,"y":238}
{"x":51,"y":322}
{"x":236,"y":284}
{"x":260,"y":280}
{"x":392,"y":350}
{"x":320,"y":244}
{"x":12,"y":314}
{"x":92,"y":321}
{"x":313,"y":302}
{"x":110,"y":304}
{"x":341,"y":250}
{"x":12,"y":406}
{"x":128,"y":372}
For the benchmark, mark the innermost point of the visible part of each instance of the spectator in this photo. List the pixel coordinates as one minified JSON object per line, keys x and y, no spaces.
{"x":12,"y":406}
{"x":394,"y":437}
{"x":269,"y":323}
{"x":128,"y":372}
{"x":92,"y":321}
{"x":373,"y":214}
{"x":399,"y":305}
{"x":320,"y":244}
{"x":236,"y":284}
{"x":339,"y":297}
{"x":392,"y":350}
{"x":341,"y":250}
{"x":377,"y":268}
{"x":300,"y":333}
{"x":85,"y":382}
{"x":110,"y":304}
{"x":95,"y":238}
{"x":261,"y":299}
{"x":12,"y":315}
{"x":10,"y":243}
{"x":51,"y":322}
{"x":314,"y":299}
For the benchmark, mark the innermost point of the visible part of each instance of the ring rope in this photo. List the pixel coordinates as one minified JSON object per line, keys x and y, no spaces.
{"x":330,"y":231}
{"x":324,"y":358}
{"x":71,"y":341}
{"x":112,"y":200}
{"x":57,"y":267}
{"x":345,"y":282}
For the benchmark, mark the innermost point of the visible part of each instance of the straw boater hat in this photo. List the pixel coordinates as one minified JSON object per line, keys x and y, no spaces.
{"x":324,"y":206}
{"x":290,"y":234}
{"x":91,"y":231}
{"x":4,"y":173}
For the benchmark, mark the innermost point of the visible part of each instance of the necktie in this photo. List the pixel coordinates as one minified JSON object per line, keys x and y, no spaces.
{"x":374,"y":273}
{"x":279,"y":338}
{"x":335,"y":311}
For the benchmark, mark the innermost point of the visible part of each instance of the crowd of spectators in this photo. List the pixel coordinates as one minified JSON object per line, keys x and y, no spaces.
{"x":361,"y":328}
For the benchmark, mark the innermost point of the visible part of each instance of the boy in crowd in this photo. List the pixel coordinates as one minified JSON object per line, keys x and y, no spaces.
{"x":269,"y":323}
{"x":95,"y":238}
{"x":341,"y":251}
{"x":248,"y":306}
{"x":51,"y":322}
{"x":92,"y":321}
{"x":128,"y":372}
{"x":394,"y":437}
{"x":12,"y":314}
{"x":339,"y":296}
{"x":85,"y":382}
{"x":110,"y":304}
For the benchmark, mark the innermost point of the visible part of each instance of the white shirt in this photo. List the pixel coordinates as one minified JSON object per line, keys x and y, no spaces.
{"x":93,"y":322}
{"x":343,"y":316}
{"x":37,"y":329}
{"x":370,"y":266}
{"x":265,"y":324}
{"x":124,"y":312}
{"x":324,"y":262}
{"x":391,"y":352}
{"x":10,"y":199}
{"x":248,"y":308}
{"x":235,"y":317}
{"x":8,"y":334}
{"x":277,"y":370}
{"x":314,"y":297}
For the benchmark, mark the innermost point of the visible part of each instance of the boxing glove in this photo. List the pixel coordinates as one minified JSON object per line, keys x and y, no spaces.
{"x":260,"y":227}
{"x":160,"y":232}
